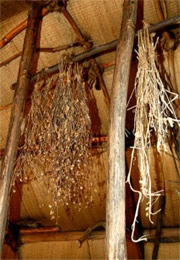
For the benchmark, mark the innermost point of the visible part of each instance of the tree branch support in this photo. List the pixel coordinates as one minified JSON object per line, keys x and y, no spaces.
{"x":115,"y":204}
{"x":17,"y":113}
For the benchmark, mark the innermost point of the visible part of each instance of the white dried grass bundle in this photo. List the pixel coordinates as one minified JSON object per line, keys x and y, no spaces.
{"x":58,"y":138}
{"x":154,"y":115}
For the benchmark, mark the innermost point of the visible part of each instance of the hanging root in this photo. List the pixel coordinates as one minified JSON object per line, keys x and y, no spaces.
{"x":154,"y":115}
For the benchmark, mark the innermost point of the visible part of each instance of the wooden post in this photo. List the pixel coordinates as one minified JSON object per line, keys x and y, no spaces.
{"x":115,"y":209}
{"x":17,"y":113}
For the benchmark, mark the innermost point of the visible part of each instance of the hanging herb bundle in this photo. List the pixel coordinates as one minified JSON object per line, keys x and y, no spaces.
{"x":57,"y":138}
{"x":154,"y":115}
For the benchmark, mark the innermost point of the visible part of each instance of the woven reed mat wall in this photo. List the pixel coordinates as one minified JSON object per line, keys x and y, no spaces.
{"x":173,"y":8}
{"x":93,"y":249}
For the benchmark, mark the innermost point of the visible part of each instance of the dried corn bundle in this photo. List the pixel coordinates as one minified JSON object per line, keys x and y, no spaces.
{"x":57,"y":137}
{"x":154,"y":115}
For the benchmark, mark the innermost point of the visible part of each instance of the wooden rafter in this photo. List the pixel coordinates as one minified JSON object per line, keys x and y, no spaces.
{"x":18,"y":29}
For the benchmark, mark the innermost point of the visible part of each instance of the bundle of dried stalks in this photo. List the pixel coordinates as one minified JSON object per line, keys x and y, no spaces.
{"x":154,"y":115}
{"x":57,"y":137}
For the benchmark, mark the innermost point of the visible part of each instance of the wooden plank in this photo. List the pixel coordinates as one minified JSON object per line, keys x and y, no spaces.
{"x":115,"y":207}
{"x":17,"y":112}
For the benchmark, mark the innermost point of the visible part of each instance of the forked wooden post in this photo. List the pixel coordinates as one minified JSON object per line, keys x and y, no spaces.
{"x":115,"y":209}
{"x":17,"y":114}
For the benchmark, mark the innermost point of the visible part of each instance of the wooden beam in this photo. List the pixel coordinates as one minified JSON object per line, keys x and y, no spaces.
{"x":115,"y":207}
{"x":103,"y":48}
{"x":98,"y":50}
{"x":111,"y":45}
{"x":17,"y":113}
{"x":57,"y":236}
{"x":168,"y":235}
{"x":26,"y":231}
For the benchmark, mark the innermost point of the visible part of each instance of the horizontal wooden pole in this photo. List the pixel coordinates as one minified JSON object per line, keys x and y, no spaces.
{"x":172,"y":239}
{"x":100,"y":49}
{"x":45,"y":234}
{"x":113,"y":44}
{"x":58,"y":236}
{"x":104,"y":47}
{"x":165,"y":233}
{"x":25,"y":231}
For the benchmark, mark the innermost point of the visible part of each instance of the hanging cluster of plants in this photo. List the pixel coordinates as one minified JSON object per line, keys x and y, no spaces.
{"x":154,"y":115}
{"x":57,"y":138}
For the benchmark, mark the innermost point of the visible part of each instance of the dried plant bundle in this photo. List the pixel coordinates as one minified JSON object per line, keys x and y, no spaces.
{"x":154,"y":114}
{"x":57,"y":138}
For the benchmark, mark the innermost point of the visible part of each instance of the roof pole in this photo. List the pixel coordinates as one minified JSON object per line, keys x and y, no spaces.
{"x":29,"y":48}
{"x":115,"y":207}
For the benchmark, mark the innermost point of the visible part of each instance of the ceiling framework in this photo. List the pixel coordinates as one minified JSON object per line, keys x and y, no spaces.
{"x":102,"y":57}
{"x":84,"y":55}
